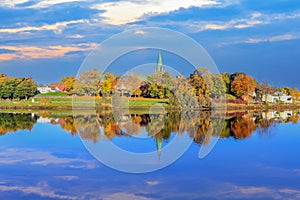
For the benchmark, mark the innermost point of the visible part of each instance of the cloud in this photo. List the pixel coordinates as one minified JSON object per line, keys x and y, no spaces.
{"x":67,"y":178}
{"x":13,"y":156}
{"x":122,"y":195}
{"x":41,"y":189}
{"x":273,"y":38}
{"x":47,"y":3}
{"x":57,"y":27}
{"x":77,"y":36}
{"x":7,"y":56}
{"x":34,"y":52}
{"x":140,"y":32}
{"x":37,"y":4}
{"x":152,"y":183}
{"x":11,"y":3}
{"x":277,"y":38}
{"x":253,"y":20}
{"x":125,"y":11}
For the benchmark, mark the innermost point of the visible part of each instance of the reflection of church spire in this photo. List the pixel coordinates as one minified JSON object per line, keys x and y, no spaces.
{"x":158,"y":146}
{"x":159,"y":67}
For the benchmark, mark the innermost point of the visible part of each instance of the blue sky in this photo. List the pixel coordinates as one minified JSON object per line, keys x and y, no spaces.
{"x":48,"y":39}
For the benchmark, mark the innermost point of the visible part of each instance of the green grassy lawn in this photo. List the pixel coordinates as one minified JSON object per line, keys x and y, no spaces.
{"x":81,"y":102}
{"x":52,"y":94}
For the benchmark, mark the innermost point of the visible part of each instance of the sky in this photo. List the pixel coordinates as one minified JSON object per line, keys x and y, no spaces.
{"x":48,"y":39}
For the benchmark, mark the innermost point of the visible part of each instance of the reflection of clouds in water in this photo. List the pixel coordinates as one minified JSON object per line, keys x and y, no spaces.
{"x":12,"y":156}
{"x":43,"y":190}
{"x":122,"y":196}
{"x":297,"y":171}
{"x":251,"y":192}
{"x":67,"y":178}
{"x":152,"y":183}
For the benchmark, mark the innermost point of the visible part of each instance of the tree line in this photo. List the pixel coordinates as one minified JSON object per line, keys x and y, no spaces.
{"x":160,"y":85}
{"x":16,"y":88}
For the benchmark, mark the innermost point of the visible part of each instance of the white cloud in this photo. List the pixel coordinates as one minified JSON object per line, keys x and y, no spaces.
{"x":11,"y":3}
{"x":121,"y":196}
{"x":253,"y":20}
{"x":273,"y":38}
{"x":34,"y":157}
{"x":47,"y":3}
{"x":140,"y":32}
{"x":76,"y":36}
{"x":125,"y":11}
{"x":38,"y":4}
{"x":57,"y":27}
{"x":277,"y":38}
{"x":35,"y":52}
{"x":152,"y":183}
{"x":42,"y":190}
{"x":67,"y":178}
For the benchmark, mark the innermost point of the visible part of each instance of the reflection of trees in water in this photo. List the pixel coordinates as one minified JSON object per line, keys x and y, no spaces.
{"x":66,"y":124}
{"x":13,"y":122}
{"x":293,"y":118}
{"x":264,"y":125}
{"x":243,"y":127}
{"x":87,"y":127}
{"x":201,"y":126}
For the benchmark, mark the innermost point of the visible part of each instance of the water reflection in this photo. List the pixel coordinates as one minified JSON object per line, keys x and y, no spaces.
{"x":10,"y":122}
{"x":49,"y":164}
{"x":105,"y":126}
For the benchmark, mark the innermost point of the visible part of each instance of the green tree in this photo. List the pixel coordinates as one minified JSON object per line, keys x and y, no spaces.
{"x":226,"y":80}
{"x":8,"y":87}
{"x":25,"y":89}
{"x":216,"y":85}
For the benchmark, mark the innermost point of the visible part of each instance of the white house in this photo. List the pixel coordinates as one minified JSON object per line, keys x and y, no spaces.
{"x":44,"y":89}
{"x":277,"y":115}
{"x":278,"y":97}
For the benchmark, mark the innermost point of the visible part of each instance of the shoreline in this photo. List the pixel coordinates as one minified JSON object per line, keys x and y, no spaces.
{"x":227,"y":107}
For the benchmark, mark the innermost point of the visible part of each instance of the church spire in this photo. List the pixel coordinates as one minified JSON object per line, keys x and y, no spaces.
{"x":158,"y":146}
{"x":159,"y":67}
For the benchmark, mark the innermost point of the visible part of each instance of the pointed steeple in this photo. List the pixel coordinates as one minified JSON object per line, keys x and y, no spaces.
{"x":159,"y":67}
{"x":158,"y":146}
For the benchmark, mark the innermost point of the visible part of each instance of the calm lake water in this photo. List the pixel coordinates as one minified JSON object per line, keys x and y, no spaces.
{"x":256,"y":157}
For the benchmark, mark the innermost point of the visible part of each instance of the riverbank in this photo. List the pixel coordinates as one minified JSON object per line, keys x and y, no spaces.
{"x":88,"y":103}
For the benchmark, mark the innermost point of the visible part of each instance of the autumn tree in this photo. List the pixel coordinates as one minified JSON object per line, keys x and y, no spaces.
{"x":243,"y":86}
{"x":160,"y":85}
{"x":88,"y":83}
{"x":69,"y":82}
{"x":107,"y":85}
{"x":295,"y":94}
{"x":198,"y":84}
{"x":130,"y":83}
{"x":286,"y":90}
{"x":263,"y":90}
